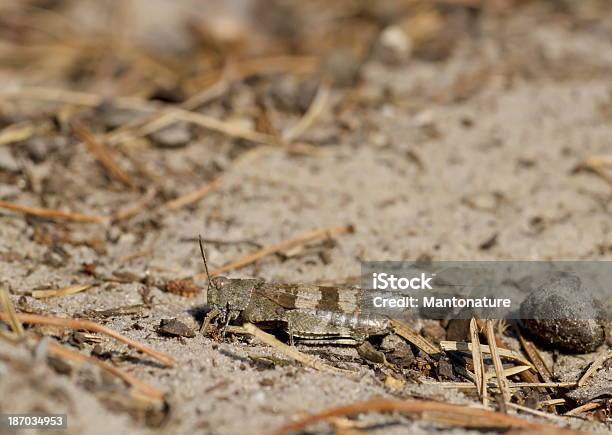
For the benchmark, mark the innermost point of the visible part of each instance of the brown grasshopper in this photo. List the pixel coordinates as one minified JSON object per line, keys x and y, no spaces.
{"x":309,"y":313}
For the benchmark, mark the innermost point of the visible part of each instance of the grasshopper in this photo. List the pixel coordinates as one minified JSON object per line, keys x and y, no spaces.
{"x":309,"y":313}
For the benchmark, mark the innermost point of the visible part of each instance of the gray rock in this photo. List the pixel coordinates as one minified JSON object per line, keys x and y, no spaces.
{"x":562,"y":315}
{"x":8,"y":163}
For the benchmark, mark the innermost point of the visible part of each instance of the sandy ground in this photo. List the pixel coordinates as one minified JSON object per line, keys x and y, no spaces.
{"x":417,"y":174}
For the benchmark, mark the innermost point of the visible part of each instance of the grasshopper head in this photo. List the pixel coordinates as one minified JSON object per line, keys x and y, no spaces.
{"x":230,"y":296}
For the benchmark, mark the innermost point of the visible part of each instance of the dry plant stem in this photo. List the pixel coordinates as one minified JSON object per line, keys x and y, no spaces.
{"x":103,"y":155}
{"x":88,"y":325}
{"x":300,"y":239}
{"x":511,"y":371}
{"x":314,"y":111}
{"x":9,"y":309}
{"x":93,"y":100}
{"x":583,"y":408}
{"x":479,"y":367}
{"x":499,"y":368}
{"x":534,"y":356}
{"x":194,"y":196}
{"x":551,"y":402}
{"x":16,"y":133}
{"x":538,"y":413}
{"x":151,"y":392}
{"x":53,"y":213}
{"x":598,"y":165}
{"x":290,"y":351}
{"x":601,"y":359}
{"x":406,"y":332}
{"x":428,"y":410}
{"x":461,"y":346}
{"x":41,"y":294}
{"x":470,"y":385}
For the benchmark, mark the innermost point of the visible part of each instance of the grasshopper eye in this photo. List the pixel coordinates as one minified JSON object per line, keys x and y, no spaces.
{"x":219,"y":282}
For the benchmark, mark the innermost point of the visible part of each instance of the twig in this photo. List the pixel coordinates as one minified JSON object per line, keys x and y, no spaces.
{"x":594,"y":367}
{"x":470,"y":385}
{"x":461,"y":346}
{"x":194,"y":196}
{"x":53,"y":213}
{"x":499,"y":368}
{"x":428,"y":410}
{"x":551,"y":402}
{"x":290,"y":351}
{"x":273,"y":249}
{"x":405,"y":331}
{"x":103,"y":155}
{"x":479,"y":367}
{"x":11,"y":315}
{"x":88,"y":325}
{"x":538,"y":413}
{"x":152,"y":393}
{"x":314,"y":111}
{"x":583,"y":408}
{"x":41,"y":294}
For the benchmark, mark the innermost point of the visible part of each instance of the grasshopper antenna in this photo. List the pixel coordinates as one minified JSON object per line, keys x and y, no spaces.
{"x":204,"y":259}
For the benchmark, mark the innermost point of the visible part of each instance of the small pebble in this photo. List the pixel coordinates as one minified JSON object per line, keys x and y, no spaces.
{"x":174,"y":136}
{"x":561,"y":315}
{"x":174,"y":328}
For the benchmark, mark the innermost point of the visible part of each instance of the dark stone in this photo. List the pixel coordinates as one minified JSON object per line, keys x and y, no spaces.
{"x":174,"y":328}
{"x":560,"y":314}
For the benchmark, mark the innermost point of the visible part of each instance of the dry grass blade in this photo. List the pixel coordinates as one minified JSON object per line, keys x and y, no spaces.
{"x":601,"y":359}
{"x":511,"y":371}
{"x":88,"y":325}
{"x":103,"y":155}
{"x":223,"y":127}
{"x":499,"y":368}
{"x":16,"y":133}
{"x":314,"y":111}
{"x":479,"y":367}
{"x":148,"y":391}
{"x":72,"y":97}
{"x":598,"y":165}
{"x":405,"y":331}
{"x":93,"y":100}
{"x":11,"y":314}
{"x":534,"y":356}
{"x":53,"y":214}
{"x":194,"y":196}
{"x":41,"y":294}
{"x":300,"y":239}
{"x":428,"y":410}
{"x":290,"y":351}
{"x":461,"y":346}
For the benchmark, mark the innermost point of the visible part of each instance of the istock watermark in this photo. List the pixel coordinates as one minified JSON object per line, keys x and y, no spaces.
{"x":575,"y":290}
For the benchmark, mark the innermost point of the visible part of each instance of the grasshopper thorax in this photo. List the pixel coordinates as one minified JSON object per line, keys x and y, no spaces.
{"x":231,"y":296}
